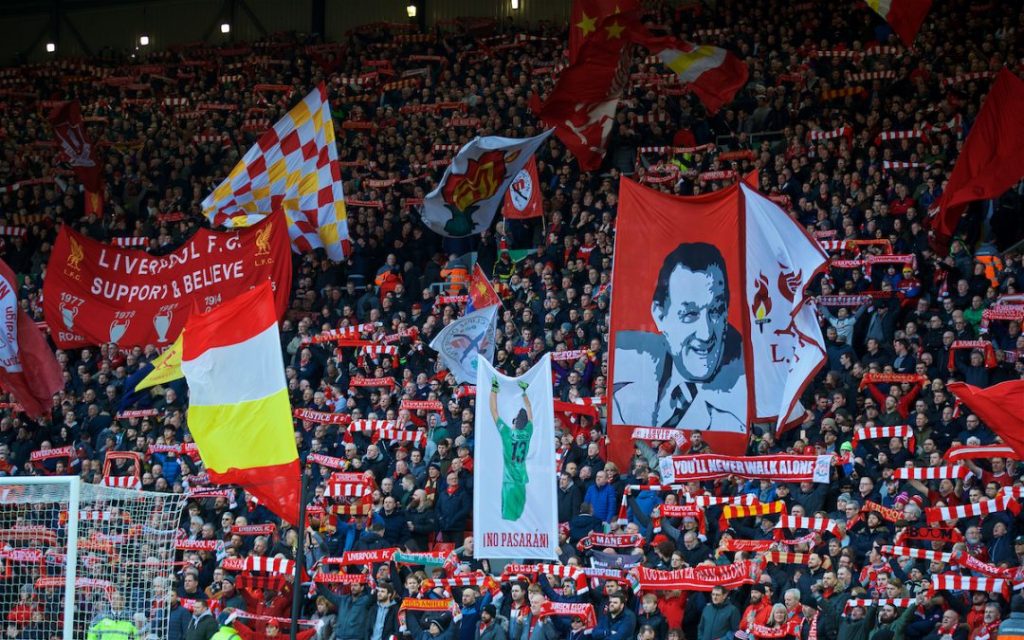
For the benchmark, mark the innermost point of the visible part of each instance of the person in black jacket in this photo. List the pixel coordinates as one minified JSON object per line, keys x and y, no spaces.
{"x":383,"y":619}
{"x":453,"y":507}
{"x":569,"y":498}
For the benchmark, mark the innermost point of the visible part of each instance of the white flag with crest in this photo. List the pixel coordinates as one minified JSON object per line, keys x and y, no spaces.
{"x":460,"y":342}
{"x":787,"y":344}
{"x":474,"y":184}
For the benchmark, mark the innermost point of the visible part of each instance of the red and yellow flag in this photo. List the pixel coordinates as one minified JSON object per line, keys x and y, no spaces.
{"x":239,"y":413}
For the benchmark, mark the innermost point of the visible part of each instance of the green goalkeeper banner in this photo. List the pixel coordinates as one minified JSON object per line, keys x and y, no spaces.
{"x":515,"y":509}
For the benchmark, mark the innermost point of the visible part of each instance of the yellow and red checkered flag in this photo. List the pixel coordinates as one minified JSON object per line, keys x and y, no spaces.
{"x":292,"y":168}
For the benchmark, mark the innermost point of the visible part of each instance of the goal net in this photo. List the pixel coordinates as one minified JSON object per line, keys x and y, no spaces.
{"x":75,"y":557}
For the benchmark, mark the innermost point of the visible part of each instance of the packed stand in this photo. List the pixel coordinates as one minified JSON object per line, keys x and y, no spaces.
{"x":896,"y":329}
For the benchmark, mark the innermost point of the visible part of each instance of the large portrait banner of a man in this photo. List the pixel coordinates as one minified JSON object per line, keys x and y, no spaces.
{"x":678,"y":319}
{"x":711,"y":327}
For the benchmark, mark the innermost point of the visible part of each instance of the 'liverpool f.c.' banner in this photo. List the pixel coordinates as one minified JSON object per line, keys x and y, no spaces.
{"x":515,"y":509}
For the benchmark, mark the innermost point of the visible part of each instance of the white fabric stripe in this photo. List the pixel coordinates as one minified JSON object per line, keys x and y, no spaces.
{"x":249,"y":370}
{"x":699,"y":66}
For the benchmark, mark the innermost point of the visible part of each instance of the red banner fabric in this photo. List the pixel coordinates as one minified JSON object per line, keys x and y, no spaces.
{"x":998,"y":407}
{"x":701,"y":578}
{"x":992,"y":158}
{"x":96,"y":293}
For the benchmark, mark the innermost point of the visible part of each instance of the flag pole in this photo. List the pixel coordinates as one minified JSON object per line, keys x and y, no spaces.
{"x":300,"y":555}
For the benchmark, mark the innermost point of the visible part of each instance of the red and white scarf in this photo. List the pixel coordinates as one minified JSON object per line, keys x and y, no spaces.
{"x":1002,"y":502}
{"x":700,"y":578}
{"x":984,"y":345}
{"x":813,"y":524}
{"x":905,"y":432}
{"x":965,"y":452}
{"x":899,"y":603}
{"x":914,"y":552}
{"x":957,"y":582}
{"x":949,"y":471}
{"x":582,"y":610}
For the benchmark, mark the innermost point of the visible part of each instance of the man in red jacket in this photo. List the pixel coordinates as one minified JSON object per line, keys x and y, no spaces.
{"x":758,"y":610}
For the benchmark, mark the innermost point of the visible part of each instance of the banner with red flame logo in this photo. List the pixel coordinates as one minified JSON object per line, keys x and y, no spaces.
{"x":709,"y":327}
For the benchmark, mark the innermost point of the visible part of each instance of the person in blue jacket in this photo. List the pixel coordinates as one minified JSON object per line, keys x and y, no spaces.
{"x":601,"y":496}
{"x":619,"y":623}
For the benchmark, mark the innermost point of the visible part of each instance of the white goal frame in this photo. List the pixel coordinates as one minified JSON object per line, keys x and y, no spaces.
{"x":76,"y":497}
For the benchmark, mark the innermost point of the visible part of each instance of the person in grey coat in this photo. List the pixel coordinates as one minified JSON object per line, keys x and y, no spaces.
{"x":720,"y":618}
{"x":353,"y":621}
{"x":490,"y":627}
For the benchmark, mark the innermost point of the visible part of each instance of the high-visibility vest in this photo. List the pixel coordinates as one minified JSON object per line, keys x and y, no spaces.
{"x":110,"y":629}
{"x":993,"y":267}
{"x":225,"y":633}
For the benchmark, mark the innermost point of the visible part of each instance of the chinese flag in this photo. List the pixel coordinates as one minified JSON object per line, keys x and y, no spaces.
{"x":991,"y":161}
{"x":1001,"y":407}
{"x":586,"y":16}
{"x":522,"y":200}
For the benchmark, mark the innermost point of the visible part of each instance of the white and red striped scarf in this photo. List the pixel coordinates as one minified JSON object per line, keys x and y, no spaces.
{"x":901,"y":135}
{"x":966,"y":452}
{"x":369,"y":426}
{"x":842,"y":301}
{"x":841,"y":132}
{"x":129,"y":241}
{"x":889,"y":165}
{"x":7,"y":230}
{"x":899,"y":603}
{"x":948,"y":471}
{"x":280,"y":566}
{"x":565,"y":572}
{"x":813,"y":524}
{"x":871,"y":75}
{"x":956,"y":582}
{"x":914,"y":552}
{"x":713,"y":501}
{"x":1002,"y":502}
{"x":677,"y":150}
{"x":970,"y":76}
{"x":122,"y":482}
{"x":874,"y":433}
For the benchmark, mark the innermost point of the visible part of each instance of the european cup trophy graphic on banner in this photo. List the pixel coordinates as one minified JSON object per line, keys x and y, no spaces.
{"x":162,"y":322}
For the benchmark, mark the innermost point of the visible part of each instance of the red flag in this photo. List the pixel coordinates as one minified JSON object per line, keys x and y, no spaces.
{"x":66,"y":120}
{"x":582,"y":105}
{"x":586,"y":14}
{"x":481,"y":293}
{"x":992,"y":159}
{"x":28,"y":369}
{"x":1001,"y":407}
{"x":904,"y":16}
{"x":522,"y":200}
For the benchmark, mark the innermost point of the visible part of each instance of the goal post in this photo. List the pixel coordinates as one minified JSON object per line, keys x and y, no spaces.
{"x":77,"y":556}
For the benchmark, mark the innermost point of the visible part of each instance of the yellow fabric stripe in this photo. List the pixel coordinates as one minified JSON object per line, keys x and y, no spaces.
{"x":684,"y":61}
{"x":166,"y":367}
{"x":254,"y":433}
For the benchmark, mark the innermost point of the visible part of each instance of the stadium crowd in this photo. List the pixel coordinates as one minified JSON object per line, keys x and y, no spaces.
{"x":162,"y":158}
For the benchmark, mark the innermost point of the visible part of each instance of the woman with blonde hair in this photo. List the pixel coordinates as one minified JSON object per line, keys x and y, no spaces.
{"x":777,"y":627}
